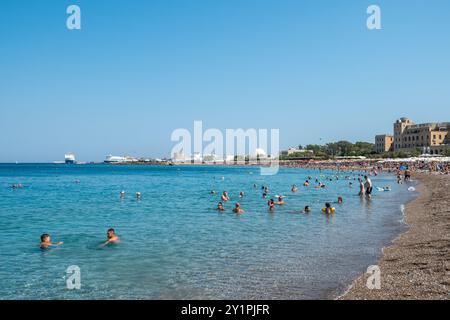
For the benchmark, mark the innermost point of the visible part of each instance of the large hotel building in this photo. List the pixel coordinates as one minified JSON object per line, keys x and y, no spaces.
{"x":432,"y":138}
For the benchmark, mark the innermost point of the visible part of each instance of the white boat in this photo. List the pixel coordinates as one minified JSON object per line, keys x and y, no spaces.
{"x":115,"y":159}
{"x":69,"y":158}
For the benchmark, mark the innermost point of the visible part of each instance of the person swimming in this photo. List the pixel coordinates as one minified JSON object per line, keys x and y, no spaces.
{"x":138,"y":195}
{"x":294,"y":188}
{"x":271,"y":204}
{"x":122,"y":194}
{"x":112,"y":237}
{"x":306,"y":184}
{"x":328,"y":209}
{"x":220,"y":207}
{"x":46,"y":242}
{"x":280,"y":201}
{"x":237,"y":209}
{"x":241,"y":194}
{"x":307,"y":209}
{"x":225,"y":197}
{"x":340,"y":200}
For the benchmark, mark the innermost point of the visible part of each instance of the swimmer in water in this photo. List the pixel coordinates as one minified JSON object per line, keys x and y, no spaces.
{"x":241,"y":194}
{"x":46,"y":242}
{"x":237,"y":209}
{"x":307,"y":209}
{"x":271,"y":205}
{"x":280,"y":201}
{"x":328,"y":209}
{"x":212,"y":192}
{"x":138,"y":195}
{"x":340,"y":200}
{"x":220,"y":207}
{"x":112,"y":237}
{"x":362,"y":189}
{"x":294,"y":188}
{"x":225,"y":196}
{"x":306,"y":184}
{"x":122,"y":194}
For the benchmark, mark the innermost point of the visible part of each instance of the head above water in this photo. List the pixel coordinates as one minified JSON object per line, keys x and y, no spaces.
{"x":45,"y":237}
{"x":110,"y":233}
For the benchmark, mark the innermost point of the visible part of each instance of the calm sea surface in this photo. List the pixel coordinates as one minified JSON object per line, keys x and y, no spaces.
{"x":175,"y":245}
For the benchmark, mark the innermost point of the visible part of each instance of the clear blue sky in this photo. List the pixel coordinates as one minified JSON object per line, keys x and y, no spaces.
{"x":139,"y":69}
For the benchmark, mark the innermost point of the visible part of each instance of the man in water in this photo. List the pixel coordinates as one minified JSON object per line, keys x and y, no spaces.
{"x":237,"y":209}
{"x":369,"y":186}
{"x":112,"y":237}
{"x":46,"y":242}
{"x":220,"y":207}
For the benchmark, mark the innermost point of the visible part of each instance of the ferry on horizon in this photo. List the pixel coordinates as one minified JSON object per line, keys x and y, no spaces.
{"x":69,"y":158}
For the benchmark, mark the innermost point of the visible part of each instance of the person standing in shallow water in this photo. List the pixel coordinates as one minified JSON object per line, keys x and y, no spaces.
{"x":362,"y":189}
{"x":112,"y":237}
{"x":369,"y":186}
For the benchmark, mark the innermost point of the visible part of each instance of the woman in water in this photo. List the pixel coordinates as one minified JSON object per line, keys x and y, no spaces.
{"x":362,"y":189}
{"x":271,"y":205}
{"x":46,"y":242}
{"x":294,"y":188}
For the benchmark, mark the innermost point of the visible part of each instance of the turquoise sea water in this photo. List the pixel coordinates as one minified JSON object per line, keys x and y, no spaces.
{"x":175,"y":245}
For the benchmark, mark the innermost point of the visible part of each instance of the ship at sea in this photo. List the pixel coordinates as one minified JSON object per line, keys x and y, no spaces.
{"x":69,"y":158}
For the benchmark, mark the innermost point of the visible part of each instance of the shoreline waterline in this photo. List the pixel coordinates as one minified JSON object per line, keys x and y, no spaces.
{"x":417,"y":263}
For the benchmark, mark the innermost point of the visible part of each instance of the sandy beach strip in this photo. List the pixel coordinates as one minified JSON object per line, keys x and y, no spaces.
{"x":417,"y":264}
